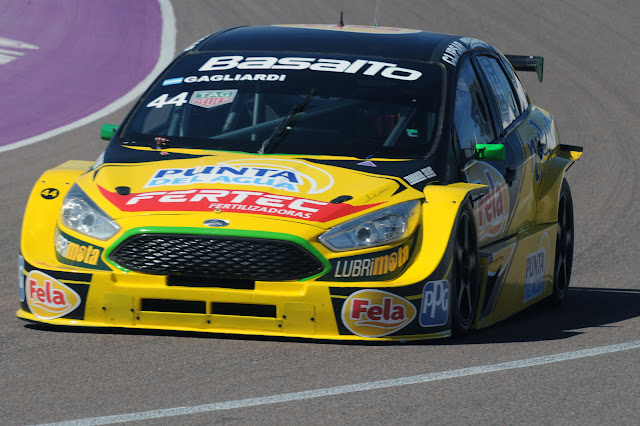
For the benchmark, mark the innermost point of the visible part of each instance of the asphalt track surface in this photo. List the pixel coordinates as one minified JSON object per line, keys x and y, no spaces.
{"x":585,"y":353}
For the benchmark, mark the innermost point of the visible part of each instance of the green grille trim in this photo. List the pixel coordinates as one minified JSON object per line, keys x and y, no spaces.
{"x":266,"y":235}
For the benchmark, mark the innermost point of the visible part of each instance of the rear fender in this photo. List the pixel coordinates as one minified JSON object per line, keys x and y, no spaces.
{"x":549,"y":194}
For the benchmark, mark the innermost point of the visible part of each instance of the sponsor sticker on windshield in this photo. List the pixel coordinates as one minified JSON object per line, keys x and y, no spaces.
{"x":212,"y":98}
{"x":362,"y":66}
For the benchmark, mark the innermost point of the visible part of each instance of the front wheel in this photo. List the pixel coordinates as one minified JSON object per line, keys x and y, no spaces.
{"x":564,"y":245}
{"x":466,"y":273}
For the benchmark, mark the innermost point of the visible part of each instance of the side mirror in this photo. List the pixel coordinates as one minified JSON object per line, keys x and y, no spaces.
{"x":490,"y":151}
{"x":107,"y":131}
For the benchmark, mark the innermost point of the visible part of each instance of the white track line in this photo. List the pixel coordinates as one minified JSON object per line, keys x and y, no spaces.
{"x":167,"y":52}
{"x":358,"y":387}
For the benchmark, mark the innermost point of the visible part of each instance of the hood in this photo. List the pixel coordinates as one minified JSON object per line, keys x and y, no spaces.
{"x":276,"y":187}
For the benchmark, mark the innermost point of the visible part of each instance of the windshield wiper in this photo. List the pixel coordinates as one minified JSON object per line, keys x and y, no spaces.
{"x":285,"y":125}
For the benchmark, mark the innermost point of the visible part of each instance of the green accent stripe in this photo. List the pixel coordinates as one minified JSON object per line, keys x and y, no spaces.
{"x":241,"y":233}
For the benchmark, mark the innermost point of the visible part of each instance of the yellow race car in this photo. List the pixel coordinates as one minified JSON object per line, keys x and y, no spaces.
{"x":315,"y":181}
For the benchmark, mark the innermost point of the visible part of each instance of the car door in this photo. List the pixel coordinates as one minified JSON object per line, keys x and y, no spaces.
{"x":486,"y":112}
{"x":536,"y":131}
{"x":511,"y":119}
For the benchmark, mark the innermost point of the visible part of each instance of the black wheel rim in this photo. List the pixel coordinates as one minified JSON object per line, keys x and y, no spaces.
{"x":466,"y":272}
{"x":564,"y":245}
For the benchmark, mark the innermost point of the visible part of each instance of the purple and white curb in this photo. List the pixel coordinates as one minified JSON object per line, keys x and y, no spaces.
{"x":66,"y":64}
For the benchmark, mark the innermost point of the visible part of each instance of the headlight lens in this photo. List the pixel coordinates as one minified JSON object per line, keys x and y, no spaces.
{"x":374,"y":229}
{"x":83,"y":215}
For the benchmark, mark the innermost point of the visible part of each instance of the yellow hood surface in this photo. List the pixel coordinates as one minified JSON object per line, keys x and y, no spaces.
{"x":276,"y":187}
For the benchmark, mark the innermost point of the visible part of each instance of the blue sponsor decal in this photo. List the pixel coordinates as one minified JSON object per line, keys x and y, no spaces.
{"x":435,"y":304}
{"x":368,"y":163}
{"x":534,"y":275}
{"x":21,"y":277}
{"x":172,"y":81}
{"x":275,"y":177}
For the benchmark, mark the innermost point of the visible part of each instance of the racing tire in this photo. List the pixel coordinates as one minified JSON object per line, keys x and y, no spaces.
{"x":564,"y":246}
{"x":465,"y":286}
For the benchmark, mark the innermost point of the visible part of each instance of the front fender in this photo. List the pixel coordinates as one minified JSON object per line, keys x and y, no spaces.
{"x":440,"y":212}
{"x":43,"y":208}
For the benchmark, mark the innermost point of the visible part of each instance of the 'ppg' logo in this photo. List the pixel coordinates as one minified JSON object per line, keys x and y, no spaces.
{"x":435,"y":304}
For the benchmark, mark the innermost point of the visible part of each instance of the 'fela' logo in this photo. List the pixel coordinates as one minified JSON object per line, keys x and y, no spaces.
{"x":48,"y":298}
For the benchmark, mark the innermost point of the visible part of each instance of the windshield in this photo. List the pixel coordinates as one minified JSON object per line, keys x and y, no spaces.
{"x":292,"y":104}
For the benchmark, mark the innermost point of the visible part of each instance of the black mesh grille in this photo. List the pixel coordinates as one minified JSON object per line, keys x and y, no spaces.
{"x":218,"y":257}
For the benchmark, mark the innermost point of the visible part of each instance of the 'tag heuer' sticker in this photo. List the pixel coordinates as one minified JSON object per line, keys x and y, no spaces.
{"x":376,"y":313}
{"x":212,"y":98}
{"x":48,"y":298}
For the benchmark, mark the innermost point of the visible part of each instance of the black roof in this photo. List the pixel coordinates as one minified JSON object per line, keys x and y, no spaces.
{"x":390,"y":43}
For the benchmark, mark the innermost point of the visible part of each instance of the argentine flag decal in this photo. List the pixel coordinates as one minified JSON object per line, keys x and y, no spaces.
{"x":172,"y":81}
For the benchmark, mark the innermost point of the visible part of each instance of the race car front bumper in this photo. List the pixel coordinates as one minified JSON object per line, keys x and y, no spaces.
{"x":361,"y":310}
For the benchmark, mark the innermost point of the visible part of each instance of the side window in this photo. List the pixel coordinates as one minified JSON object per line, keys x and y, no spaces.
{"x":471,"y":113}
{"x":517,"y":84}
{"x":502,"y":92}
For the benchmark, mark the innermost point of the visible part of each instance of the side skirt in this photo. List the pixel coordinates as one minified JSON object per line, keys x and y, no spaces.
{"x":516,"y":273}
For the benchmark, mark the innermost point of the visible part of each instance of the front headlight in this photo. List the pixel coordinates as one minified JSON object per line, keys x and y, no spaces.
{"x":83,"y":215}
{"x":381,"y":227}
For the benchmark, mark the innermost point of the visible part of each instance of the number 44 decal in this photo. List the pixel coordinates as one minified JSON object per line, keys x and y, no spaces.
{"x":49,"y":193}
{"x":161,"y":100}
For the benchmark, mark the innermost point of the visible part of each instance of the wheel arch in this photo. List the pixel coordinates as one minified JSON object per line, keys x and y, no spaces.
{"x":441,"y":211}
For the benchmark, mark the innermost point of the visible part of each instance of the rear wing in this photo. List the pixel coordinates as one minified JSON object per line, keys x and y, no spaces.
{"x":527,"y":63}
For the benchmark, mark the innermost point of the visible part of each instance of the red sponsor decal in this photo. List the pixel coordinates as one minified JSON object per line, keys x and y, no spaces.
{"x":491,"y":209}
{"x":255,"y":202}
{"x":48,"y":298}
{"x":376,"y":313}
{"x":386,"y":315}
{"x":209,"y":102}
{"x":45,"y":296}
